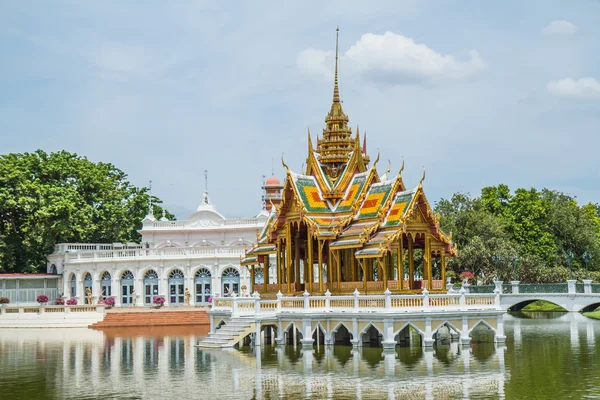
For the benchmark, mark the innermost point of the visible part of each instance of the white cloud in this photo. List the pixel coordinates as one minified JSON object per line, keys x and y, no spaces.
{"x":579,"y":88}
{"x":392,"y":57}
{"x":560,"y":27}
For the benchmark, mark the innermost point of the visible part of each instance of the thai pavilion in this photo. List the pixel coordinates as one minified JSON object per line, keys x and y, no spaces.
{"x":340,"y":226}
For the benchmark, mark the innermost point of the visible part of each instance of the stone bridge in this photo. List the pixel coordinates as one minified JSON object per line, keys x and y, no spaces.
{"x":572,"y":296}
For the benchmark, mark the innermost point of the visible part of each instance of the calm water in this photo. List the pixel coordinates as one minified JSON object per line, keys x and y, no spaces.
{"x":544,"y":358}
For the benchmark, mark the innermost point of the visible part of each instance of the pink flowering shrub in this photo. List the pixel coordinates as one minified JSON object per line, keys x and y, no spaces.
{"x":109,"y":301}
{"x":466,"y":275}
{"x":59,"y":302}
{"x":72,"y":302}
{"x":42,"y":298}
{"x":159,"y":300}
{"x":4,"y":300}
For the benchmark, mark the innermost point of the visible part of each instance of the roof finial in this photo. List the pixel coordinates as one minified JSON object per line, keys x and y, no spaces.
{"x":336,"y":90}
{"x":150,"y":208}
{"x":272,"y":167}
{"x":205,"y":199}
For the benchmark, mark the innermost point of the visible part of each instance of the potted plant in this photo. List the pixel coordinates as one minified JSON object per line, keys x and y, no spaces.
{"x":465,"y":276}
{"x":109,"y":302}
{"x":42,"y":299}
{"x":59,"y":302}
{"x":159,"y":301}
{"x":4,"y":301}
{"x":72,"y":301}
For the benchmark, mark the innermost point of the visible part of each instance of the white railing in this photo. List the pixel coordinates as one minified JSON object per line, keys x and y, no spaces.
{"x":387,"y":302}
{"x":166,"y":252}
{"x":186,"y":224}
{"x":63,"y":247}
{"x":9,"y":309}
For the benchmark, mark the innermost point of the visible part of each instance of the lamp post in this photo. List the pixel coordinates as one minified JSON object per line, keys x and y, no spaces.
{"x":497,"y":259}
{"x":515,"y":262}
{"x":587,"y":257}
{"x":570,"y":257}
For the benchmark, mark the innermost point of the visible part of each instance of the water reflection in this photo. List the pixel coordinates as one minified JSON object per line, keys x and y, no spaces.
{"x":85,"y":363}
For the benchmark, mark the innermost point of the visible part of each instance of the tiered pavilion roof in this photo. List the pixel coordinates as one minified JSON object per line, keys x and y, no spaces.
{"x":343,"y":222}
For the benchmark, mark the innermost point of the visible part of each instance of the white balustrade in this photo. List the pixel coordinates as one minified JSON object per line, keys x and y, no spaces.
{"x":386,"y":303}
{"x":156,"y":253}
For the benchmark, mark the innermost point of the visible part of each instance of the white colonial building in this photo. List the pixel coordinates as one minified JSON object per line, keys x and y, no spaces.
{"x":200,"y":253}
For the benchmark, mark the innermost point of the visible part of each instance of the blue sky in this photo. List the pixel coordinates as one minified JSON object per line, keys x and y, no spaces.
{"x":478,"y":92}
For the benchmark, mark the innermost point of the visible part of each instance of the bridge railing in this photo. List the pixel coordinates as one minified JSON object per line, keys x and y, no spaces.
{"x":515,"y":287}
{"x":459,"y":301}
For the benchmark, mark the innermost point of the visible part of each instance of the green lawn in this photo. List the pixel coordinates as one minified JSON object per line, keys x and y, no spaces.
{"x":593,"y":314}
{"x":542,"y":305}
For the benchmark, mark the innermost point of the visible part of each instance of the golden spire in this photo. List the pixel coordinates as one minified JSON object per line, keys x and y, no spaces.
{"x":336,"y":90}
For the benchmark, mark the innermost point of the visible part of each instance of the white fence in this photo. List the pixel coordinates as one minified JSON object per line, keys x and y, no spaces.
{"x":49,"y":316}
{"x":386,"y":303}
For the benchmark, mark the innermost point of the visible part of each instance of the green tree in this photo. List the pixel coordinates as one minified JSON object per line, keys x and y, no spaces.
{"x":61,"y":197}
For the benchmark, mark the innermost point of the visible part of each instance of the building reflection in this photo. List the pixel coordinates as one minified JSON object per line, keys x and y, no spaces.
{"x":166,"y":364}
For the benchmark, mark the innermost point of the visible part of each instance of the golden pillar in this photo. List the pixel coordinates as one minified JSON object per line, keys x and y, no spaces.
{"x":288,"y":256}
{"x":401,"y":262}
{"x":320,"y":255}
{"x":443,"y":270}
{"x":411,"y":263}
{"x":339,"y":271}
{"x":382,"y":264}
{"x":427,"y":260}
{"x":278,"y":262}
{"x":364,"y":265}
{"x":309,"y":257}
{"x":266,"y":272}
{"x":297,"y":258}
{"x":352,"y":265}
{"x":252,"y":276}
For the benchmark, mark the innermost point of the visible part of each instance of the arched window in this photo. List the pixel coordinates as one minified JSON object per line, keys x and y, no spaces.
{"x":176,"y":274}
{"x":231,"y":272}
{"x":176,"y":287}
{"x":230,"y":279}
{"x":151,"y":274}
{"x":150,"y":286}
{"x":87,"y":285}
{"x":127,"y":298}
{"x":203,"y":273}
{"x":127,"y":275}
{"x":203,"y":286}
{"x":73,"y":285}
{"x":106,"y":284}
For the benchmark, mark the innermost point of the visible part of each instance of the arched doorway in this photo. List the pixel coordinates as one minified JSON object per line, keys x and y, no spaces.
{"x":87,"y":284}
{"x":73,"y":284}
{"x":150,"y":286}
{"x":106,"y":284}
{"x":127,"y":288}
{"x":176,"y":289}
{"x":202,"y":282}
{"x":230,"y":279}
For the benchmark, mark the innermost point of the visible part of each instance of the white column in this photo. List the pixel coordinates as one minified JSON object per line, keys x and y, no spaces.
{"x":307,"y":340}
{"x":80,"y":289}
{"x":388,"y":333}
{"x":116,"y":289}
{"x":95,"y":287}
{"x":515,"y":286}
{"x":428,"y":338}
{"x":571,"y":286}
{"x":138,"y":286}
{"x":500,"y":337}
{"x":587,"y":286}
{"x":465,"y":338}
